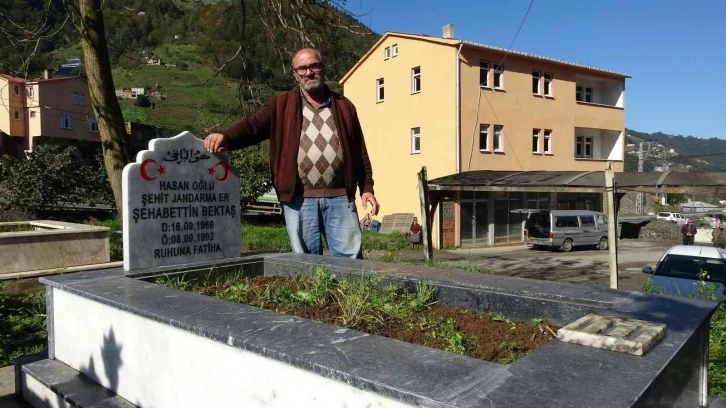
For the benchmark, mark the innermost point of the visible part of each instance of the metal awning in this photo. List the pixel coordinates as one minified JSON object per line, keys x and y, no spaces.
{"x":578,"y":181}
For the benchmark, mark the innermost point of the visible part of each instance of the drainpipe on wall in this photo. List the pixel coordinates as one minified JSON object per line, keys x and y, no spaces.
{"x":458,"y":110}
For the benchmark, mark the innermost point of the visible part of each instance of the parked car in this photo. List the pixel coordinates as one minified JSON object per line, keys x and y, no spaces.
{"x":677,"y":272}
{"x":566,"y":229}
{"x":678,"y":218}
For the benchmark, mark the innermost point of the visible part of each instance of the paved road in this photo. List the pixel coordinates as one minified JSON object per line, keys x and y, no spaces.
{"x":586,"y":267}
{"x":7,"y":388}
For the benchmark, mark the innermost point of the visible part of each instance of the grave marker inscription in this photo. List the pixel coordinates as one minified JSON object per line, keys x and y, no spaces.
{"x":181,"y":205}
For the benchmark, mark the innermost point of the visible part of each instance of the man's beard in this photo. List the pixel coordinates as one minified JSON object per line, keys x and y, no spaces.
{"x":312,"y":84}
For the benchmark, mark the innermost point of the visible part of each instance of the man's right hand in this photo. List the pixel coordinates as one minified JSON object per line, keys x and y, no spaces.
{"x":216,"y":142}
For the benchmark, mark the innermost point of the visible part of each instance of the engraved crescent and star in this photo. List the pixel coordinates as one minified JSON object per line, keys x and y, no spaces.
{"x":161,"y":170}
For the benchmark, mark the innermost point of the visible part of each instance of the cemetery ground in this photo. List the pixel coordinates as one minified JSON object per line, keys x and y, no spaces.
{"x":22,"y":304}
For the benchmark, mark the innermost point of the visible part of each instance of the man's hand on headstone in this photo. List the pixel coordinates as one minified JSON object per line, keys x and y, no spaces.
{"x":369,"y":198}
{"x":216,"y":143}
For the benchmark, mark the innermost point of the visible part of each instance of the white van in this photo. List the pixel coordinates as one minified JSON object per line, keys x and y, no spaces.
{"x":566,"y":229}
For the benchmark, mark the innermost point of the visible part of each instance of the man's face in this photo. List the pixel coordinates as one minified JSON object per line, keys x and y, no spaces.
{"x":308,"y":70}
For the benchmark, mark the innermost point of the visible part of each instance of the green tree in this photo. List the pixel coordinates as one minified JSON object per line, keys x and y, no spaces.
{"x":52,"y":177}
{"x":143,"y":101}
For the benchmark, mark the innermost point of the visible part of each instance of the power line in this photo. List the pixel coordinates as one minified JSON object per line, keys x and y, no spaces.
{"x":481,"y":91}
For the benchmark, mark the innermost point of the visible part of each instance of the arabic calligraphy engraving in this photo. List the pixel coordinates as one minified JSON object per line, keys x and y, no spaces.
{"x":185,"y":156}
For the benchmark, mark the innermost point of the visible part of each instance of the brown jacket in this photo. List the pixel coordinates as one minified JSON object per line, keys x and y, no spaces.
{"x":281,"y":122}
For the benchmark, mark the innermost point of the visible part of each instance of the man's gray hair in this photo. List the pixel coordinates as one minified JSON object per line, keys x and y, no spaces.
{"x":317,"y":54}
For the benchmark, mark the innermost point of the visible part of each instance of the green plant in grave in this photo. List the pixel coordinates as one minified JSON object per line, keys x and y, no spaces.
{"x":319,"y":288}
{"x":459,"y":343}
{"x":425,"y":294}
{"x":237,"y":292}
{"x":174,"y":282}
{"x":704,"y":289}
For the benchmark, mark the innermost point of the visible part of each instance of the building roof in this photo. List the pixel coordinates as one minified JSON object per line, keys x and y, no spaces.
{"x":487,"y":180}
{"x":457,"y":42}
{"x":40,"y":80}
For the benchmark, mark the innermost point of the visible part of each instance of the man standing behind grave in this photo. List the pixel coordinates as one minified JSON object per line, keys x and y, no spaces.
{"x":318,"y":157}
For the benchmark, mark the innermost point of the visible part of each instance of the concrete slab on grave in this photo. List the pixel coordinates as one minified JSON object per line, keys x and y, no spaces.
{"x":354,"y":366}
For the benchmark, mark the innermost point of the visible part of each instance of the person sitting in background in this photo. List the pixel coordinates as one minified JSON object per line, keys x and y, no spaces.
{"x":689,"y":233}
{"x":415,"y":231}
{"x":719,"y":236}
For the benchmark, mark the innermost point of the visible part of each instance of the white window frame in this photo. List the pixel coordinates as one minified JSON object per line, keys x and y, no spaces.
{"x":498,"y":140}
{"x":584,"y":142}
{"x":589,"y":91}
{"x":92,"y":125}
{"x":29,"y":91}
{"x":386,"y":53}
{"x":415,"y":136}
{"x":81,"y":99}
{"x":394,"y":50}
{"x":536,"y":138}
{"x":16,"y":90}
{"x":537,"y":76}
{"x":484,"y":131}
{"x":498,"y":75}
{"x":380,"y":90}
{"x":66,"y":121}
{"x":547,"y":147}
{"x":548,"y":84}
{"x":484,"y":66}
{"x":75,"y":98}
{"x":414,"y":76}
{"x":17,"y":114}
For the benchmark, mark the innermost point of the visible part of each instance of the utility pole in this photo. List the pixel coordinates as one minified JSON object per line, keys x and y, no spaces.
{"x":640,"y":196}
{"x":612,"y":225}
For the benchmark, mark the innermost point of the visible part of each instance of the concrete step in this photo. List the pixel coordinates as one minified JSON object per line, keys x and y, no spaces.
{"x":50,"y":383}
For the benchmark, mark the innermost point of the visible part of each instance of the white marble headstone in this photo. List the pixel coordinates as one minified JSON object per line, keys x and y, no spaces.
{"x":181,"y":205}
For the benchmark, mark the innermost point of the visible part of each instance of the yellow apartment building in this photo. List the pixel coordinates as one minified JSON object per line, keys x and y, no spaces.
{"x":47,"y":108}
{"x":456,"y":106}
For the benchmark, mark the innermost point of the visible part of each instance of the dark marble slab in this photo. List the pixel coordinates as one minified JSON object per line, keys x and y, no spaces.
{"x":557,"y":375}
{"x":72,"y":387}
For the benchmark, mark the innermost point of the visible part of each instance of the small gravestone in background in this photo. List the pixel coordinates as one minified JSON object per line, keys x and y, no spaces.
{"x":181,"y":205}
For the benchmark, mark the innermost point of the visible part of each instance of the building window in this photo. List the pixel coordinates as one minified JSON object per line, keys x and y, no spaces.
{"x":17,"y":114}
{"x":548,"y":141}
{"x":416,"y":80}
{"x":416,"y":140}
{"x":379,"y":90}
{"x":16,"y":89}
{"x":92,"y":125}
{"x":29,"y":92}
{"x":32,"y":114}
{"x":484,"y":74}
{"x":386,"y":53}
{"x":499,"y":76}
{"x":547,"y":84}
{"x":394,"y":50}
{"x":498,"y":136}
{"x":483,"y":138}
{"x":583,"y":147}
{"x":66,"y":121}
{"x":81,"y":99}
{"x":536,"y":78}
{"x":583,"y":94}
{"x":75,"y":98}
{"x":535,"y":140}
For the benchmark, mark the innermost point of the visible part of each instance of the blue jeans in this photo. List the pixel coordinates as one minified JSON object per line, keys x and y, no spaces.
{"x":309,"y":219}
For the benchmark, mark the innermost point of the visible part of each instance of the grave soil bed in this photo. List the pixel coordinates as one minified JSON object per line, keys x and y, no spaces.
{"x":391,"y":311}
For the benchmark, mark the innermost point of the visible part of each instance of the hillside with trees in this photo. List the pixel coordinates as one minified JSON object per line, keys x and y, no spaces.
{"x":681,"y":153}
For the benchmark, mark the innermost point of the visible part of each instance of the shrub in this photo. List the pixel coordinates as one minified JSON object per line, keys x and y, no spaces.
{"x":53,"y":177}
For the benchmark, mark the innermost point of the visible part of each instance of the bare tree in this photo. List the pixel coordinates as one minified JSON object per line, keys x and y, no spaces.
{"x":88,"y":18}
